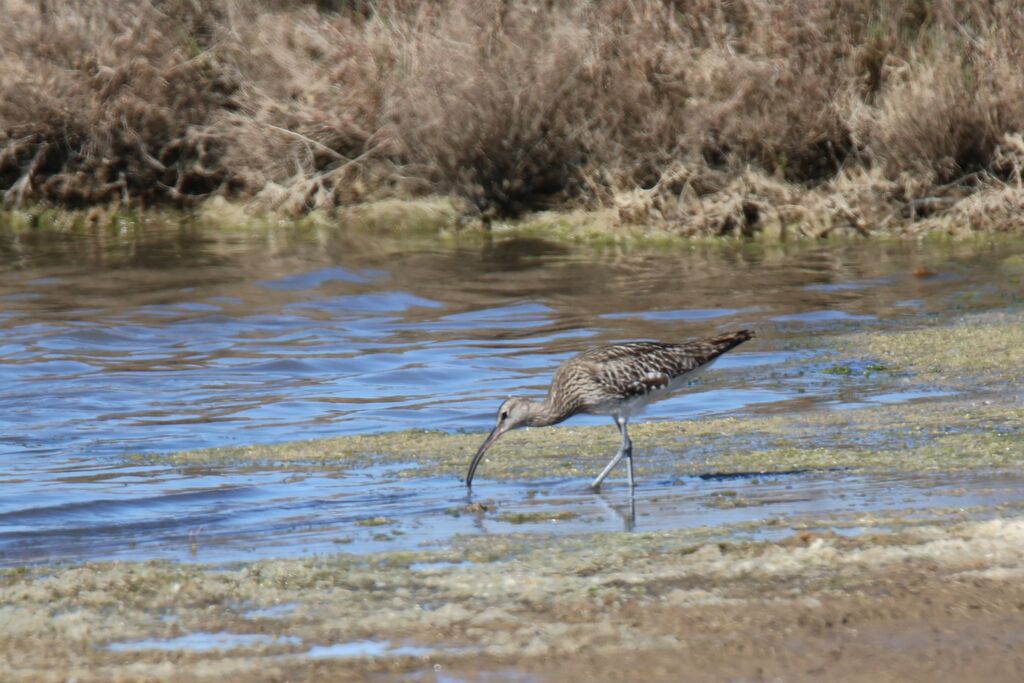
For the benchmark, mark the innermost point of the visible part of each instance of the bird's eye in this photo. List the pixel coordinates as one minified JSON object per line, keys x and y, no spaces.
{"x":504,"y":415}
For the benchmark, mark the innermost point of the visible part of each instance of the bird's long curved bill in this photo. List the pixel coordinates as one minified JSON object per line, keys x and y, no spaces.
{"x":491,"y":438}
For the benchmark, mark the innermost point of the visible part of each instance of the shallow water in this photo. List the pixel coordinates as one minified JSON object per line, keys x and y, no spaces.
{"x":231,"y":516}
{"x":204,"y":642}
{"x":201,"y":641}
{"x":161,"y":337}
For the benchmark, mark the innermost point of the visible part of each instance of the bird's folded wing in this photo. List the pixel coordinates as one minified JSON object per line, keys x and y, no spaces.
{"x":652,"y":381}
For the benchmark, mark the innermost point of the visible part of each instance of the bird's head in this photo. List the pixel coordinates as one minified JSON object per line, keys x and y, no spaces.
{"x":514,"y":413}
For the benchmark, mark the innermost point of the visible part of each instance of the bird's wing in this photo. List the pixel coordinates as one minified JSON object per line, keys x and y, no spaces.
{"x":652,"y":381}
{"x":632,"y":370}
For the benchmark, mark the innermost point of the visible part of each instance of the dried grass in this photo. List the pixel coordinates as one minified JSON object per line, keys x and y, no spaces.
{"x":791,"y":116}
{"x":99,"y":104}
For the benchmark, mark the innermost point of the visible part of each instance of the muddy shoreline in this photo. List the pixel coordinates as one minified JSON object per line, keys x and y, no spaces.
{"x":443,"y":220}
{"x":937,"y":600}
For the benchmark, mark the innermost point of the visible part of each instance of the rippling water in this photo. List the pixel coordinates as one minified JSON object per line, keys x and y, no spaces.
{"x":160,"y":337}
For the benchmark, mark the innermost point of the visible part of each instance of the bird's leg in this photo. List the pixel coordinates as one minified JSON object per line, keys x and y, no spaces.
{"x":625,"y":449}
{"x":607,"y":468}
{"x":632,"y":512}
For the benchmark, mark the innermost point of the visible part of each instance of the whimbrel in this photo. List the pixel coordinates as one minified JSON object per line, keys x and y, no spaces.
{"x":617,"y":380}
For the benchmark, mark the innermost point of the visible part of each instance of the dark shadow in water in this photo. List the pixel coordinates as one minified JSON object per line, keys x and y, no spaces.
{"x":729,"y":476}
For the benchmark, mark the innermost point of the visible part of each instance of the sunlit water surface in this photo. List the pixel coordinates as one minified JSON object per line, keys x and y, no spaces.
{"x":156,"y":338}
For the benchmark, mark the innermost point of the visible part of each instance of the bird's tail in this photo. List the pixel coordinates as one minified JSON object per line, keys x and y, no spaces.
{"x":713,"y":347}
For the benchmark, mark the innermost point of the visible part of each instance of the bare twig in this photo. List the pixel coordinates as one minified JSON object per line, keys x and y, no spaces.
{"x":319,"y":145}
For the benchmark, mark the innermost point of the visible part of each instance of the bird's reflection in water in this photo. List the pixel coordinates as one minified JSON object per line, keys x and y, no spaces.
{"x":626,"y":513}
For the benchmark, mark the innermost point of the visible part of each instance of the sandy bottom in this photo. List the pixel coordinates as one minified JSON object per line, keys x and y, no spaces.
{"x":928,"y":602}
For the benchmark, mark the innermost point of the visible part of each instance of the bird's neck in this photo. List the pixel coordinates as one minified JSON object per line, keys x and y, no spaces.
{"x":544,"y":413}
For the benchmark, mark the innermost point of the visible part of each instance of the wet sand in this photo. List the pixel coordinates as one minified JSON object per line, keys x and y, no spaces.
{"x":927,"y":602}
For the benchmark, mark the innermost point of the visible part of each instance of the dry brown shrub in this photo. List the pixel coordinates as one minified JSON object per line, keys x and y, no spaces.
{"x":491,"y":98}
{"x":710,"y":117}
{"x":943,"y":119}
{"x":511,"y":105}
{"x":993,"y":209}
{"x":309,"y":118}
{"x":99,"y":103}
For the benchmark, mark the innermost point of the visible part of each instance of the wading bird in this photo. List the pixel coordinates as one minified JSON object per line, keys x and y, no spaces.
{"x":617,"y":380}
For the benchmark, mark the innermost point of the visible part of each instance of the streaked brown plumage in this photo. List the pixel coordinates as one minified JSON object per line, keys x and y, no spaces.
{"x":617,"y":380}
